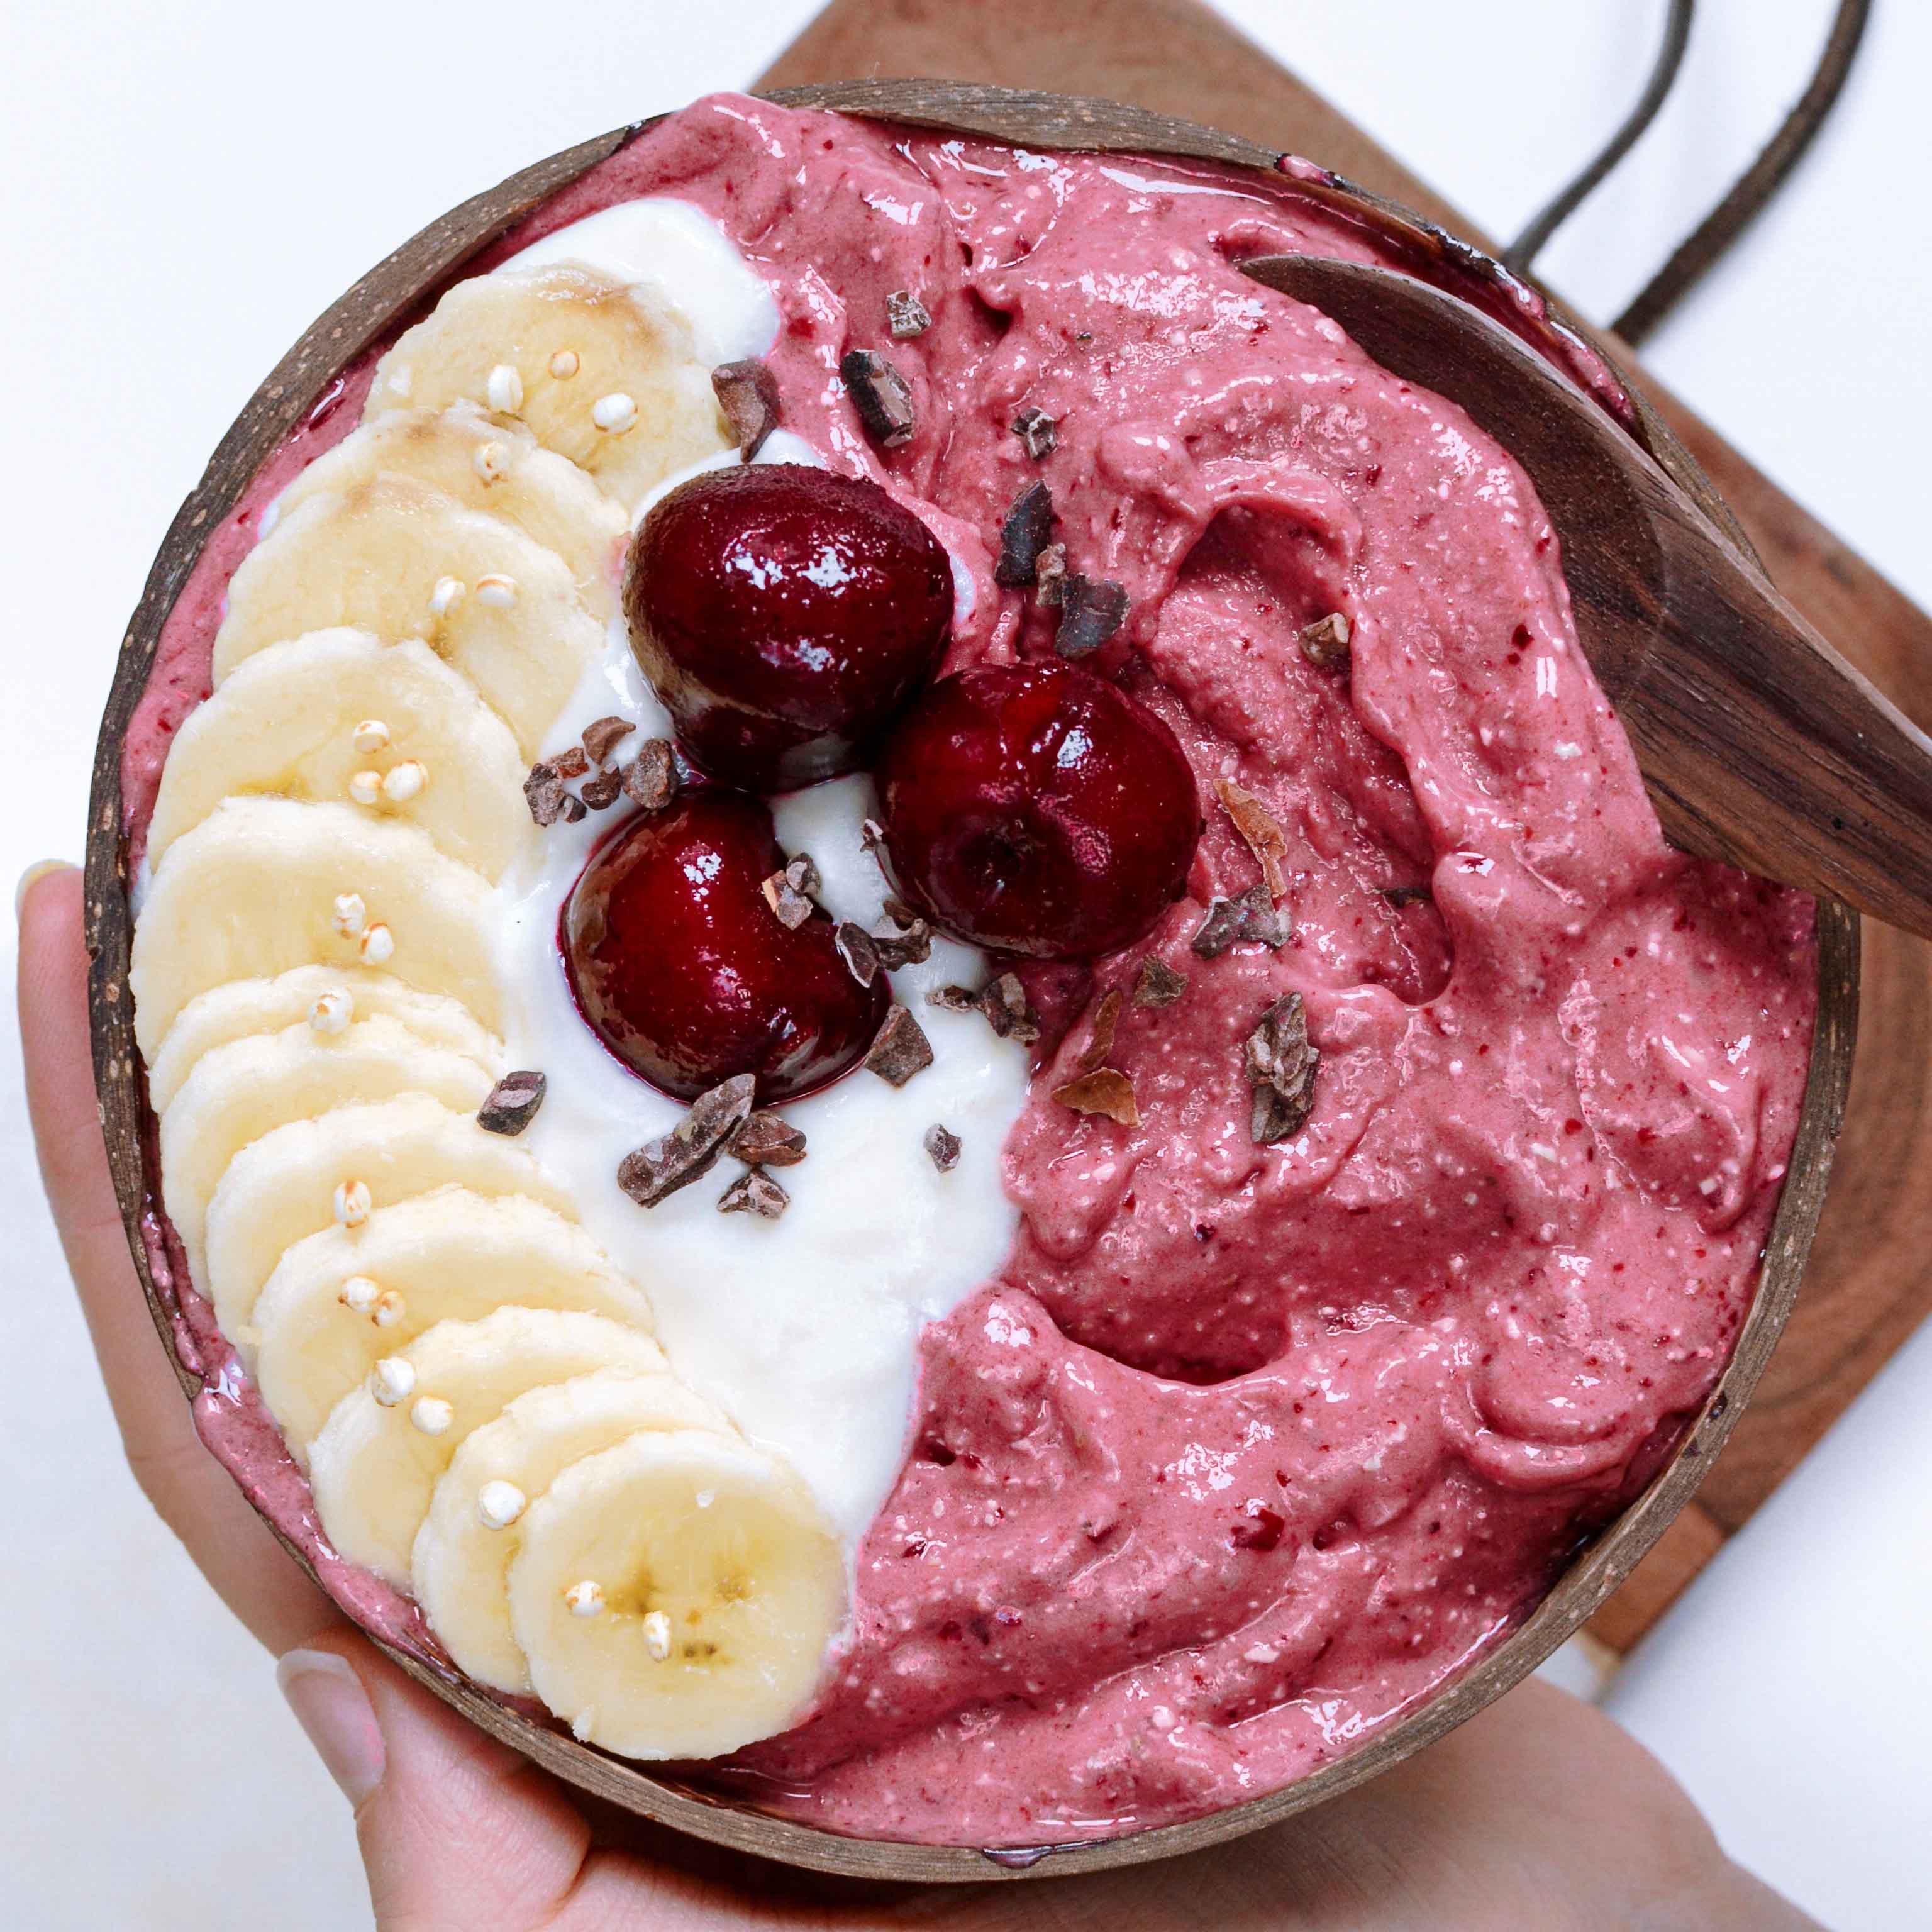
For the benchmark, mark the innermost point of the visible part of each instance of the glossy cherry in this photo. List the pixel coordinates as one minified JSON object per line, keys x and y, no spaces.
{"x":1037,"y":808}
{"x":679,"y":964}
{"x":784,"y":615}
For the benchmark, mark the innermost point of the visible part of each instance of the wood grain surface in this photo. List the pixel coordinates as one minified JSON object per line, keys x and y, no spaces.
{"x":1869,"y":1284}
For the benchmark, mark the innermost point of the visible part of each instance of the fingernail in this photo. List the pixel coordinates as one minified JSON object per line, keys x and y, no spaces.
{"x":333,"y":1708}
{"x":32,"y":876}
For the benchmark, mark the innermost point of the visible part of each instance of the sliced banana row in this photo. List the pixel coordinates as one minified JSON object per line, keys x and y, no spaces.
{"x":472,"y":1387}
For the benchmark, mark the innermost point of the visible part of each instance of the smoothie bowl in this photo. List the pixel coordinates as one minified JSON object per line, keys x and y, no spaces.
{"x":894,"y":1040}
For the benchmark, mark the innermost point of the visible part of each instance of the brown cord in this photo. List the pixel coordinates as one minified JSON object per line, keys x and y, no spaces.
{"x":1527,"y":246}
{"x":1756,"y":186}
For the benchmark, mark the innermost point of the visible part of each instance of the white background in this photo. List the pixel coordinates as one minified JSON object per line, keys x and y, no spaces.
{"x":190,"y":184}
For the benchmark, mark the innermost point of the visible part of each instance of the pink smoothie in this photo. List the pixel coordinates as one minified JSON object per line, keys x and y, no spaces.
{"x":1247,"y":1449}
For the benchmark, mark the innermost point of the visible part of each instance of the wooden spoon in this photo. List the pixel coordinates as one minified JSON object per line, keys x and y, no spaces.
{"x":1760,"y":745}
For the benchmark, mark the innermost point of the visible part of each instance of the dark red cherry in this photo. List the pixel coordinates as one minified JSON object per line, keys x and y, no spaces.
{"x":680,"y":965}
{"x":1038,"y":808}
{"x":784,"y":615}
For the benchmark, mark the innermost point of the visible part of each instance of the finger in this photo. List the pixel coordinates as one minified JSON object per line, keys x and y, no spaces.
{"x":456,"y":1830}
{"x":192,"y":1492}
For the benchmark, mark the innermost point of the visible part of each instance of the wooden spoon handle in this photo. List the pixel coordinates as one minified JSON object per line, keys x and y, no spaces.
{"x":1762,"y":746}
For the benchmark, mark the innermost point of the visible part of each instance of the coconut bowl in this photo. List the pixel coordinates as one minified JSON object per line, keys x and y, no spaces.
{"x":386,"y":299}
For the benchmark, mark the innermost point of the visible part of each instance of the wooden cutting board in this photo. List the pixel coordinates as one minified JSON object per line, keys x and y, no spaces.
{"x":1869,"y":1284}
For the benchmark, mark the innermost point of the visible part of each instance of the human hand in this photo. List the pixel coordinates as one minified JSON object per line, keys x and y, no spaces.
{"x":1539,"y":1813}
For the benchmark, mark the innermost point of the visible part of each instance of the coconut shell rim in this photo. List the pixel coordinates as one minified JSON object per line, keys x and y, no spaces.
{"x":398,"y":286}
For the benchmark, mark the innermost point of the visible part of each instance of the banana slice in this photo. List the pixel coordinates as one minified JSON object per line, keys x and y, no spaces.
{"x":460,"y":1565}
{"x":239,"y":1092}
{"x":398,"y":557}
{"x":326,"y":998}
{"x":340,"y":1167}
{"x":342,"y":1300}
{"x":338,"y":715}
{"x":375,"y":1464}
{"x":604,"y":375}
{"x":264,"y":884}
{"x":486,"y":464}
{"x":675,"y":1595}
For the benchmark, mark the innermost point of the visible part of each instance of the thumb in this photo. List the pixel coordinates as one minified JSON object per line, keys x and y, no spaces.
{"x":457,"y":1830}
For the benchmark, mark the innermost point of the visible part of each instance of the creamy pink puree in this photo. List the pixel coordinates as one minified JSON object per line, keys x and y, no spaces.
{"x":1245,"y":1451}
